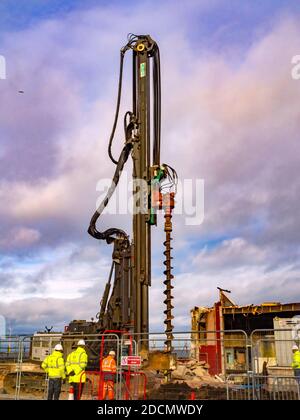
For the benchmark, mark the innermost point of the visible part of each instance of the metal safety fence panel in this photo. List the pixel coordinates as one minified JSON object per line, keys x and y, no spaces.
{"x":21,"y":357}
{"x":275,"y":387}
{"x":221,"y":352}
{"x":99,"y":346}
{"x":272,"y":351}
{"x":126,"y":346}
{"x":9,"y":349}
{"x":30,"y":379}
{"x":198,"y":366}
{"x":89,"y":389}
{"x":207,"y":365}
{"x":238,"y":387}
{"x":285,"y":388}
{"x":9,"y":357}
{"x":260,"y":387}
{"x":134,"y":385}
{"x":131,"y":387}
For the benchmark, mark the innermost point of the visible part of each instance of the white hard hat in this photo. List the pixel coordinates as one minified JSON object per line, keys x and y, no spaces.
{"x":81,"y":343}
{"x":295,"y":347}
{"x":112,"y":353}
{"x":58,"y":347}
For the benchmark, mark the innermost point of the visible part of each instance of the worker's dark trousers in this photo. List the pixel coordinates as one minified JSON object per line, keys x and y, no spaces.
{"x":297,"y":375}
{"x":77,"y":390}
{"x":54,"y":388}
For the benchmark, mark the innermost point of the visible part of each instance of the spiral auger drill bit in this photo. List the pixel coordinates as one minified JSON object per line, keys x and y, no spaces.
{"x":168,"y":205}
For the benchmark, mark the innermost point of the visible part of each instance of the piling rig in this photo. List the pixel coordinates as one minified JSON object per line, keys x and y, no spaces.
{"x":125,"y":301}
{"x":124,"y":305}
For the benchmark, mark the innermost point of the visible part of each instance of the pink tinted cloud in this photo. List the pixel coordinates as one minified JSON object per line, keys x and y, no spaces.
{"x":19,"y":237}
{"x":234,"y":124}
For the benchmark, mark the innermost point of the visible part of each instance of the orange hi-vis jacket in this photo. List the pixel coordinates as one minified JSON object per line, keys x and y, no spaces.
{"x":109,"y":368}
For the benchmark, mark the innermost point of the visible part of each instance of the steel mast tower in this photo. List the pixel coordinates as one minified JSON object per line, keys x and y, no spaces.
{"x":126,"y":306}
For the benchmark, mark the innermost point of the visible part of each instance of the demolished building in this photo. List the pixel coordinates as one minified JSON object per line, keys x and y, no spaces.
{"x":221,"y":335}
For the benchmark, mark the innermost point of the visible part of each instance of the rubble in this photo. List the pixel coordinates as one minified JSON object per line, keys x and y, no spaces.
{"x":220,"y":378}
{"x":184,"y":390}
{"x":180,"y":372}
{"x":188,"y":377}
{"x":195,"y":372}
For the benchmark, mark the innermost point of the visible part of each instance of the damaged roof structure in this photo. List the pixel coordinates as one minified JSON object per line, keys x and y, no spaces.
{"x":221,"y":334}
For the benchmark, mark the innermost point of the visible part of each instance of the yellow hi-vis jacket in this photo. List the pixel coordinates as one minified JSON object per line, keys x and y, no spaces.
{"x":54,"y":365}
{"x":296,"y":360}
{"x":76,"y":362}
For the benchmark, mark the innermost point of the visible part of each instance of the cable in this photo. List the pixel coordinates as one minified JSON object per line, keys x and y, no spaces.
{"x":109,"y":234}
{"x":122,"y":53}
{"x":131,"y":40}
{"x":156,"y":106}
{"x":130,"y":124}
{"x":171,"y":179}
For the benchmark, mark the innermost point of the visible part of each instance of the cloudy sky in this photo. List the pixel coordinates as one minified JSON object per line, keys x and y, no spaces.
{"x":230,"y":116}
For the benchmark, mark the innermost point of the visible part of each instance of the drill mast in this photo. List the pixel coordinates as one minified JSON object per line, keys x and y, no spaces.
{"x":126,"y":306}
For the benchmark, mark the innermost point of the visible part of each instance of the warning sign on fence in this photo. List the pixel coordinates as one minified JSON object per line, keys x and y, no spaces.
{"x":131,"y":361}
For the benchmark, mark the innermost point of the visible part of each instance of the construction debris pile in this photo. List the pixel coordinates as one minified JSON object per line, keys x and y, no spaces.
{"x":190,"y":379}
{"x":195,"y":373}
